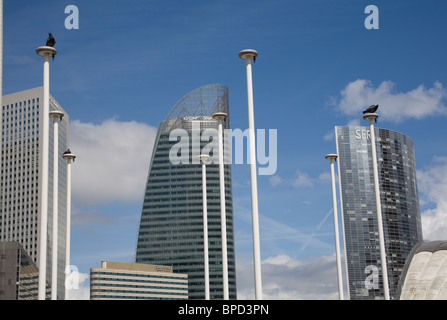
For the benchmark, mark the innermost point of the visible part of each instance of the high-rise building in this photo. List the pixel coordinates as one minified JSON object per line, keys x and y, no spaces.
{"x":136,"y":281}
{"x":399,"y":202}
{"x":21,"y":121}
{"x":19,"y":275}
{"x":171,"y":225}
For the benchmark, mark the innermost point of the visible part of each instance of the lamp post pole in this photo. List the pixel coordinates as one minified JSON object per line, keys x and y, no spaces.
{"x":1,"y":62}
{"x":220,"y":116}
{"x":248,"y":55}
{"x":332,"y":158}
{"x":69,"y":157}
{"x":371,"y":117}
{"x":56,"y":115}
{"x":44,"y":52}
{"x":204,"y":159}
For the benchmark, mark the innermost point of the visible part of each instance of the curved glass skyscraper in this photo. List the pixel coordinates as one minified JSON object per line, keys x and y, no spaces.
{"x":171,"y":225}
{"x":399,"y":202}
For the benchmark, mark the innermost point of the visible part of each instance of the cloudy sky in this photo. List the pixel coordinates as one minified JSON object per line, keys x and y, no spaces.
{"x":129,"y":62}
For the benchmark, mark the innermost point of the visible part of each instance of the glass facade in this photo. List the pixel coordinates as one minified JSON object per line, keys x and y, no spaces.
{"x":399,"y":202}
{"x":19,"y":192}
{"x":19,"y":275}
{"x":171,"y":225}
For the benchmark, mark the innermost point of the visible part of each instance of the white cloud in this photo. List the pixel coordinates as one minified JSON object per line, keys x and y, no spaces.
{"x":302,"y":179}
{"x":285,"y":278}
{"x":81,"y":289}
{"x":432,"y":184}
{"x":275,"y":180}
{"x":325,"y":176}
{"x":395,"y":106}
{"x":112,"y":159}
{"x":329,"y":136}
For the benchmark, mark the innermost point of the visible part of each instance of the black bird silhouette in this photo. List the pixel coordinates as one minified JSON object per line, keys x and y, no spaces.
{"x":371,"y":109}
{"x":51,"y":41}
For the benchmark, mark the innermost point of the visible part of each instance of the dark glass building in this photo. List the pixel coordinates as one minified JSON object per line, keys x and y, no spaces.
{"x":171,"y":225}
{"x":399,"y":202}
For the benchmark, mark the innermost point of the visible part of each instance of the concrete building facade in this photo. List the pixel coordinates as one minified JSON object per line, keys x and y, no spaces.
{"x":136,"y":281}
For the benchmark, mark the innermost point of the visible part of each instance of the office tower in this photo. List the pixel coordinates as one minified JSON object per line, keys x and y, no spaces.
{"x":19,"y":275}
{"x":171,"y":225}
{"x":19,"y":194}
{"x":135,"y":281}
{"x":399,"y":202}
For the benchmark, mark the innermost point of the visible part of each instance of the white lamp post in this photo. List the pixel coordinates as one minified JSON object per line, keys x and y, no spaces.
{"x":248,"y":55}
{"x":204,"y":159}
{"x":371,"y":117}
{"x":44,"y":52}
{"x":69,"y":157}
{"x":1,"y":61}
{"x":56,"y":115}
{"x":331,"y":158}
{"x":220,"y":116}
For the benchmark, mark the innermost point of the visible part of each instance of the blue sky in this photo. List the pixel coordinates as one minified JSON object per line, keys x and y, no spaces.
{"x":129,"y":62}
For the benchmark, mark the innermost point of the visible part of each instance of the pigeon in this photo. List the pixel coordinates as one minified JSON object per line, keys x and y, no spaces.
{"x":371,"y":109}
{"x":51,"y":41}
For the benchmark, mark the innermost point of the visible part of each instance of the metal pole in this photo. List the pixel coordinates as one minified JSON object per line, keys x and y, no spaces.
{"x":1,"y":66}
{"x":220,"y":116}
{"x":56,"y":116}
{"x":203,"y":159}
{"x":371,"y":117}
{"x":1,"y":62}
{"x":248,"y":55}
{"x":69,"y":157}
{"x":44,"y":52}
{"x":331,"y":158}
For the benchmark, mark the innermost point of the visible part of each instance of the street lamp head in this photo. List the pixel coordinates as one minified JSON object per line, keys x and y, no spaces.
{"x":219,"y":116}
{"x":248,"y":54}
{"x":331,"y":156}
{"x":370,"y":116}
{"x":56,"y":114}
{"x":68,"y":155}
{"x":204,"y":158}
{"x":46,"y":51}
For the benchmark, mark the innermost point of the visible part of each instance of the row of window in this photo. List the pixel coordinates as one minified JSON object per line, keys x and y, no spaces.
{"x":134,"y":292}
{"x":139,"y":275}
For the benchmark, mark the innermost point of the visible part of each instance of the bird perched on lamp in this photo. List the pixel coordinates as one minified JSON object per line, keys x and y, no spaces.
{"x":51,"y":41}
{"x":371,"y":109}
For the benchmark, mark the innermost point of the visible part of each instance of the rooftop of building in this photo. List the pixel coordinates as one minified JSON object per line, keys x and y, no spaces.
{"x":135,"y":267}
{"x":425,"y":273}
